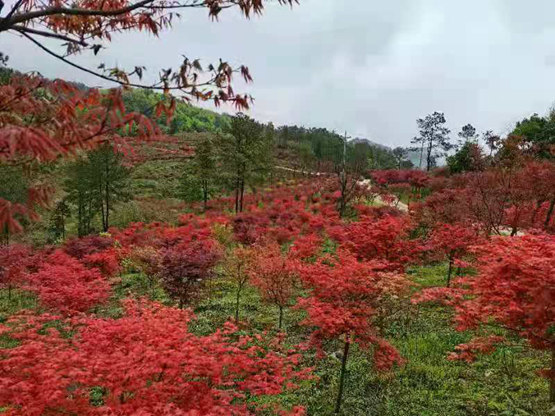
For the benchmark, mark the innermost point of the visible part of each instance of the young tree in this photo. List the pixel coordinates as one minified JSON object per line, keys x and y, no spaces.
{"x":452,"y":242}
{"x":245,"y":154}
{"x":237,"y":265}
{"x":273,"y":275}
{"x":349,"y":167}
{"x":434,"y":137}
{"x":202,"y":174}
{"x":343,"y":304}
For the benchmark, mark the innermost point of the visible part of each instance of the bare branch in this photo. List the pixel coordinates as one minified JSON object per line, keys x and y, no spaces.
{"x":118,"y":81}
{"x":23,"y":29}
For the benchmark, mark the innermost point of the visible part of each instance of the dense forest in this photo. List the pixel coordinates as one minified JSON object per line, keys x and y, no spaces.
{"x":160,"y":258}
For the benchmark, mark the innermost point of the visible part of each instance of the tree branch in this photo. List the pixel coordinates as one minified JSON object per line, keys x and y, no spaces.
{"x":23,"y":30}
{"x":7,"y":22}
{"x":107,"y":78}
{"x":12,"y":11}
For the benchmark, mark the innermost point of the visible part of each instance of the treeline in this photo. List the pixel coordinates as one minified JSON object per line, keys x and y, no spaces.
{"x":534,"y":136}
{"x":306,"y":148}
{"x":319,"y":147}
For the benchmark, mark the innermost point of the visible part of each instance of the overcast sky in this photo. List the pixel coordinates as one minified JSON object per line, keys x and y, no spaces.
{"x":368,"y":67}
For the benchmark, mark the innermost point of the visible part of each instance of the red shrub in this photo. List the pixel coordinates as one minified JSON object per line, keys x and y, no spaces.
{"x":146,"y":363}
{"x":65,"y":284}
{"x":80,"y":247}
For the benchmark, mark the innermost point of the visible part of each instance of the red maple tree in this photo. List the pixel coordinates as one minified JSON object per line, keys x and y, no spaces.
{"x":273,"y":274}
{"x":514,"y":289}
{"x":451,"y":243}
{"x":184,"y":269}
{"x":343,"y":304}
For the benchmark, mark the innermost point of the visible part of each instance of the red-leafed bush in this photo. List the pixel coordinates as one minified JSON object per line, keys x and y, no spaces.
{"x":249,"y":227}
{"x":185,"y":268}
{"x":106,"y":261}
{"x":65,"y":284}
{"x":81,"y":247}
{"x":145,"y":363}
{"x":14,"y":262}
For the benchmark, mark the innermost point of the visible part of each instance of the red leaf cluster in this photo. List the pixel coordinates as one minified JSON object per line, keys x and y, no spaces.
{"x":146,"y":362}
{"x":65,"y":284}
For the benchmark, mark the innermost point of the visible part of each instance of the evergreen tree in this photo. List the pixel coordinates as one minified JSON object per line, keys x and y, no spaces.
{"x":246,"y":153}
{"x":201,"y":176}
{"x":58,"y":219}
{"x":467,"y":134}
{"x":434,"y":138}
{"x":110,"y":178}
{"x":81,"y":193}
{"x":95,"y":184}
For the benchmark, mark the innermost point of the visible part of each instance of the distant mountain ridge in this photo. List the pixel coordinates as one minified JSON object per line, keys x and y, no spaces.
{"x":370,"y":142}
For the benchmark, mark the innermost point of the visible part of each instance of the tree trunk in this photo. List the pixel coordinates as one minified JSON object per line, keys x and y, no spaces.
{"x":280,"y":323}
{"x":342,"y":376}
{"x":450,"y":270}
{"x":552,"y":375}
{"x":429,"y":156}
{"x":204,"y":197}
{"x":549,"y":213}
{"x":242,"y":193}
{"x":237,"y":182}
{"x":535,"y":214}
{"x":237,"y":301}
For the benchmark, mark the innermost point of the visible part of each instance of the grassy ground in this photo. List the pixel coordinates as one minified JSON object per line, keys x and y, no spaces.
{"x":504,"y":383}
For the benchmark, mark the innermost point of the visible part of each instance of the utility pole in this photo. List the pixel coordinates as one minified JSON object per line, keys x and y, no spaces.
{"x":343,"y":177}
